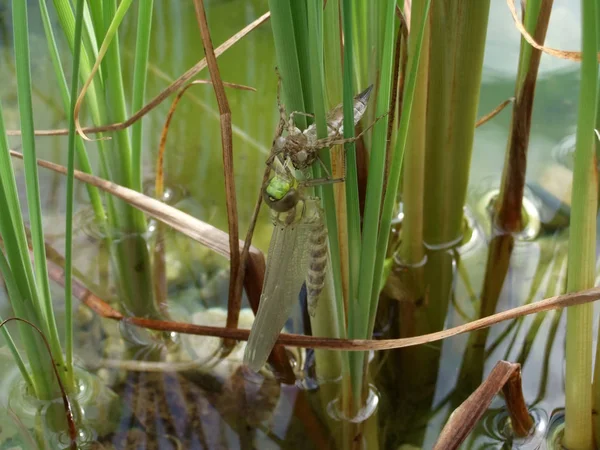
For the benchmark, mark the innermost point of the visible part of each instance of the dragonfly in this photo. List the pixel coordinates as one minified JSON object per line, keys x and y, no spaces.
{"x":298,"y":251}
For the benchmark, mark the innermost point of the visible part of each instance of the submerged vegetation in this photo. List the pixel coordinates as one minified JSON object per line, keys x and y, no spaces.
{"x":377,"y":238}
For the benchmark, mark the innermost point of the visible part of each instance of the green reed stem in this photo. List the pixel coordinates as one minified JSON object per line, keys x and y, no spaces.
{"x":70,"y":180}
{"x":13,"y":293}
{"x":315,"y":43}
{"x":282,"y":24}
{"x":411,"y":249}
{"x":84,"y":162}
{"x":370,"y":274}
{"x":395,"y":170}
{"x":21,"y":44}
{"x":582,"y":253}
{"x":352,"y":198}
{"x":140,"y":71}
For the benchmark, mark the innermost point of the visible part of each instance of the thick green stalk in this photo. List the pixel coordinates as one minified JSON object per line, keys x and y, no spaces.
{"x":412,"y":251}
{"x":582,"y":253}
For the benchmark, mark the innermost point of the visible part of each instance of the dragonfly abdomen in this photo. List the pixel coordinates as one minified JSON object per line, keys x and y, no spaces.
{"x":317,"y":265}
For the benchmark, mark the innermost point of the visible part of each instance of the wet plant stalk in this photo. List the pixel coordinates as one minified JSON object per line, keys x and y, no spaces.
{"x":412,"y":251}
{"x":578,"y":408}
{"x":508,"y":207}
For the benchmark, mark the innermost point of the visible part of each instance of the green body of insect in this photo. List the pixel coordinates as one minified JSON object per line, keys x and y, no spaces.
{"x":298,"y":253}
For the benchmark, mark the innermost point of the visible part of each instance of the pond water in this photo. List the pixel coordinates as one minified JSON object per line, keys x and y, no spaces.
{"x":203,"y":407}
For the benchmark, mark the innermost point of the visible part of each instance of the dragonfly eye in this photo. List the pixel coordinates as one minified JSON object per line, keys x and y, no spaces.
{"x":285,"y":203}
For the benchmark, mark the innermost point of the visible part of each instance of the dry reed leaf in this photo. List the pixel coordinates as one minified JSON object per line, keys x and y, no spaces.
{"x":201,"y":232}
{"x":216,"y":240}
{"x":563,"y":54}
{"x":497,"y":110}
{"x":504,"y":376}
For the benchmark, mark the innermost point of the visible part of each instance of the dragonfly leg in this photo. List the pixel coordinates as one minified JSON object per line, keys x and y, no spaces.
{"x":327,"y":179}
{"x":300,"y":113}
{"x":291,"y":125}
{"x":282,"y":114}
{"x":320,"y":181}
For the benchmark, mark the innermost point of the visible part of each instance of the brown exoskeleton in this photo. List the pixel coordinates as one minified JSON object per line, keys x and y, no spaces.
{"x":301,"y":148}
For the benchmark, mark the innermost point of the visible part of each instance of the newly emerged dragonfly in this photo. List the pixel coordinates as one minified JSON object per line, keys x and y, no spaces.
{"x":298,"y":253}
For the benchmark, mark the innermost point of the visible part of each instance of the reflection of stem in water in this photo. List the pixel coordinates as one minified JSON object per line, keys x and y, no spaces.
{"x":558,"y":252}
{"x":500,"y":339}
{"x":497,"y":267}
{"x":533,"y":330}
{"x":553,"y":279}
{"x":556,"y":316}
{"x":464,"y":276}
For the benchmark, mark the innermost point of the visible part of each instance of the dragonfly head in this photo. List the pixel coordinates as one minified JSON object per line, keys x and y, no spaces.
{"x":280,"y":194}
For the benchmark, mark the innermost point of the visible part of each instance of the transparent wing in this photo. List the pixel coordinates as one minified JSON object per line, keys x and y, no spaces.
{"x":287,"y":263}
{"x":335,"y":117}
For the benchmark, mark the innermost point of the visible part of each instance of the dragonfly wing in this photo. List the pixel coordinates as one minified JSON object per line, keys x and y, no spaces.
{"x":286,"y":269}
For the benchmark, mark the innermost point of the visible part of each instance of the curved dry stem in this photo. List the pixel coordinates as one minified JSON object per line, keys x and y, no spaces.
{"x":234,"y":303}
{"x":497,"y":110}
{"x":296,"y":340}
{"x":562,"y":54}
{"x":66,"y":402}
